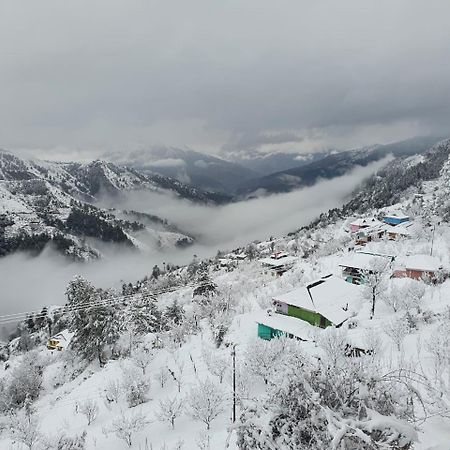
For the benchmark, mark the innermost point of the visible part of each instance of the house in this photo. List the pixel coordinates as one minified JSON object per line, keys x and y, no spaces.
{"x":327,"y":301}
{"x":60,"y":341}
{"x":273,"y":325}
{"x":395,"y":218}
{"x":362,"y":223}
{"x":355,"y":266}
{"x":418,"y":267}
{"x":236,"y":256}
{"x":398,"y":232}
{"x":278,"y":262}
{"x":227,"y":263}
{"x":369,"y":234}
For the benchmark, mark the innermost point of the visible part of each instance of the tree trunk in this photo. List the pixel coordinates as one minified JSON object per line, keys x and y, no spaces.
{"x":373,"y":302}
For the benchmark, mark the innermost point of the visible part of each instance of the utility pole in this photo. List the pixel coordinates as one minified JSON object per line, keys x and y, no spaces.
{"x":233,"y":354}
{"x":432,"y":240}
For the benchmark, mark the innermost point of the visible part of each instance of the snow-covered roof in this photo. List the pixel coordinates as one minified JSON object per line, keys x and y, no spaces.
{"x":281,"y":262}
{"x":279,"y":255}
{"x":327,"y":296}
{"x":362,"y":260}
{"x":402,"y":229}
{"x":425,"y":263}
{"x":63,"y":336}
{"x":288,"y":324}
{"x":396,"y":215}
{"x":365,"y":222}
{"x":233,"y":255}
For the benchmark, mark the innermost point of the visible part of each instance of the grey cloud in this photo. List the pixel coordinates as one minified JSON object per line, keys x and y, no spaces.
{"x":169,"y":162}
{"x":111,"y":74}
{"x":251,"y":142}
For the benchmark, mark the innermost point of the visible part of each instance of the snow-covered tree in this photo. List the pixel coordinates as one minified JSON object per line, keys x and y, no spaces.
{"x":397,"y":330}
{"x":142,"y":356}
{"x":205,"y":402}
{"x":113,"y":391}
{"x":312,"y":407}
{"x":393,"y":297}
{"x":23,"y":384}
{"x":94,"y":321}
{"x":413,"y":295}
{"x":24,"y":428}
{"x":334,"y":344}
{"x":263,"y":357}
{"x":89,"y":409}
{"x":375,"y":280}
{"x":64,"y":442}
{"x":219,"y":324}
{"x":174,"y":314}
{"x":176,"y":370}
{"x":145,"y":316}
{"x":170,"y":409}
{"x":217,"y":362}
{"x":161,"y":376}
{"x":136,"y":387}
{"x":124,"y":427}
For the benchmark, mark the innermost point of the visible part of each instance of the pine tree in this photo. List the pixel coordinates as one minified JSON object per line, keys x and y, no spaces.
{"x":145,"y":317}
{"x":156,"y":272}
{"x":95,"y":325}
{"x":174,"y":313}
{"x":31,"y":326}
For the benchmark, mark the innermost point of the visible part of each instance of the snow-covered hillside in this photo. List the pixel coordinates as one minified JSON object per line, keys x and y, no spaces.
{"x":161,"y":364}
{"x":45,"y":202}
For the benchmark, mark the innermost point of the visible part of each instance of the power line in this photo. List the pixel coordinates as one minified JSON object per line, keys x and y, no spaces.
{"x":109,"y":301}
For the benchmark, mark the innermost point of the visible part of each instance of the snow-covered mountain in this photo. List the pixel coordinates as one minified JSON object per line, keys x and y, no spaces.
{"x":194,"y":168}
{"x":45,"y":202}
{"x":332,"y":165}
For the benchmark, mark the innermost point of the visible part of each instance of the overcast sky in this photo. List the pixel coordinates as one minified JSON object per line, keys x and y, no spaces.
{"x":79,"y":77}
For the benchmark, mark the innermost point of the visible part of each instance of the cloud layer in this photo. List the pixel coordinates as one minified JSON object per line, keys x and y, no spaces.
{"x":108,"y":74}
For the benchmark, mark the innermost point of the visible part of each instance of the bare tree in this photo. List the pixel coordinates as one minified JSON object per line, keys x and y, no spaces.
{"x":217,"y":363}
{"x":170,"y":409}
{"x":64,"y":442}
{"x":125,"y":427}
{"x":203,"y":441}
{"x":393,"y":297}
{"x":334,"y":344}
{"x":397,"y":331}
{"x":177,"y":372}
{"x":113,"y":391}
{"x":262,"y":357}
{"x":136,"y":387}
{"x":374,"y":280}
{"x":89,"y":408}
{"x":412,"y":298}
{"x":24,"y":428}
{"x":161,"y":376}
{"x":141,"y":357}
{"x":205,"y":402}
